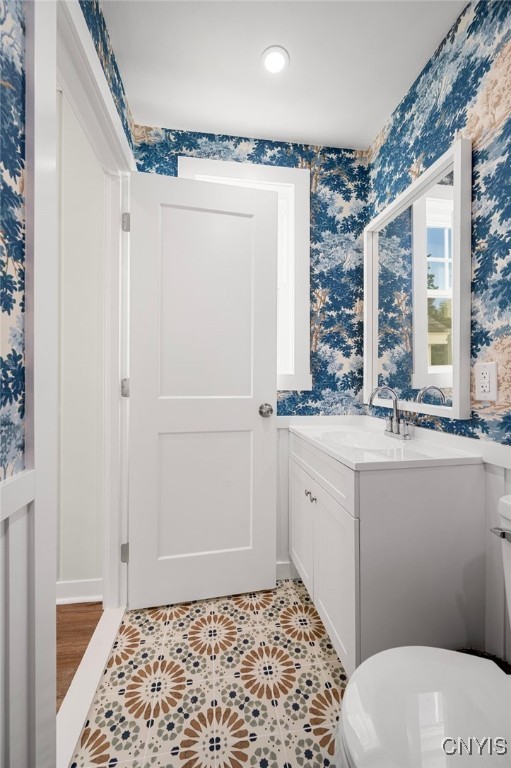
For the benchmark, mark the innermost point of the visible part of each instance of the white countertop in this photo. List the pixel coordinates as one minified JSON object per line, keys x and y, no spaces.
{"x":369,"y":448}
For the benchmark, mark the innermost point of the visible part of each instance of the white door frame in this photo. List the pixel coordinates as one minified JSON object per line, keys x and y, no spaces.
{"x":84,"y":85}
{"x":73,"y":55}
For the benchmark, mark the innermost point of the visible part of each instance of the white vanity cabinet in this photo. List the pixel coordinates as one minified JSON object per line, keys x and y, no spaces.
{"x":301,"y":528}
{"x":336,"y":543}
{"x":391,"y":556}
{"x":323,"y":540}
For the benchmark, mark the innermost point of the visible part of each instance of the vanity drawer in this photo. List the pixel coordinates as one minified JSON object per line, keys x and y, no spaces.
{"x":339,"y":481}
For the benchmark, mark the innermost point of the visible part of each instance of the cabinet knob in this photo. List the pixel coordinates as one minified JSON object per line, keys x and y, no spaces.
{"x":312,"y":498}
{"x":308,"y":493}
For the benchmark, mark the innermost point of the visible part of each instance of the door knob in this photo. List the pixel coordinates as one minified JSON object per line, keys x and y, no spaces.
{"x":265,"y":410}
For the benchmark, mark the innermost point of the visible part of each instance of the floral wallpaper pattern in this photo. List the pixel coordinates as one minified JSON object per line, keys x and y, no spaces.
{"x":12,"y":236}
{"x":339,"y":190}
{"x":464,"y":91}
{"x":97,"y":27}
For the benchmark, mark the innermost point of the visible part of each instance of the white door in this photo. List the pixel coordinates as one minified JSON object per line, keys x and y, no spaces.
{"x":202,"y":460}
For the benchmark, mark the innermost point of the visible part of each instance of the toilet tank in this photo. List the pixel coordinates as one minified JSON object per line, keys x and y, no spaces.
{"x":505,"y":522}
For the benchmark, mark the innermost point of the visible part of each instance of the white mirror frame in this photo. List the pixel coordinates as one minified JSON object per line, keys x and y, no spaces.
{"x":459,"y":159}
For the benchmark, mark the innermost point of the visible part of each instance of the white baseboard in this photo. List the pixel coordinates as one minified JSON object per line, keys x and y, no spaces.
{"x":82,"y":591}
{"x":75,"y":707}
{"x":286,"y":570}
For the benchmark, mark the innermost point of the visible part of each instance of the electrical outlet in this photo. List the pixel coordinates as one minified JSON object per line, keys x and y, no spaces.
{"x":486,"y":381}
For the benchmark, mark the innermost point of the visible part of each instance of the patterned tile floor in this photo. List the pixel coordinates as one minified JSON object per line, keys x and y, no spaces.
{"x":250,"y":680}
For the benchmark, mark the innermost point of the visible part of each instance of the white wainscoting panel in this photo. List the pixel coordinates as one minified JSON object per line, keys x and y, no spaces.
{"x":16,"y":492}
{"x":3,"y":643}
{"x":16,"y":620}
{"x":282,"y":497}
{"x":495,"y":487}
{"x":18,"y":639}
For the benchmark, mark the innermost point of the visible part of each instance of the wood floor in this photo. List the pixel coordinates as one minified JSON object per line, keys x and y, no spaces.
{"x":75,"y":626}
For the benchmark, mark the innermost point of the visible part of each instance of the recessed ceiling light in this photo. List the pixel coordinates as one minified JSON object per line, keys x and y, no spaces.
{"x":275,"y":59}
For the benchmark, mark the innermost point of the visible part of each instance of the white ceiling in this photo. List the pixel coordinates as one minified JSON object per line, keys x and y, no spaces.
{"x":197,"y":65}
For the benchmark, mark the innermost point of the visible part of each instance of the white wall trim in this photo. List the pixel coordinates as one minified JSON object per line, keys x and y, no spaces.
{"x":84,"y":85}
{"x":74,"y":709}
{"x":16,"y":492}
{"x":82,"y":78}
{"x":496,"y":485}
{"x":286,"y":570}
{"x":114,"y":415}
{"x":124,"y":314}
{"x":42,"y":375}
{"x":80,"y":591}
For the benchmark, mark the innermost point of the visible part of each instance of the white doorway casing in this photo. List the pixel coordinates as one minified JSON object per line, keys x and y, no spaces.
{"x":85,"y":87}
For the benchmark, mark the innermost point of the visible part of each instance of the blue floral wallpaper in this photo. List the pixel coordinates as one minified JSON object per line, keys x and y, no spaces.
{"x":12,"y":236}
{"x":464,"y":91}
{"x":339,"y":190}
{"x":97,"y":27}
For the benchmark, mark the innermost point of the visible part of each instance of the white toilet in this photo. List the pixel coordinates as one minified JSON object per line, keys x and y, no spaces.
{"x":425,"y":707}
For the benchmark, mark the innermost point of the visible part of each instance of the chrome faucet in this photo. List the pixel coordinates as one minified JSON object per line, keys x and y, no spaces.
{"x":425,"y":390}
{"x":395,"y":425}
{"x":393,"y":395}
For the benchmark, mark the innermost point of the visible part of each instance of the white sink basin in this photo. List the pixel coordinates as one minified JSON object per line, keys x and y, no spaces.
{"x":368,"y":441}
{"x":368,"y":449}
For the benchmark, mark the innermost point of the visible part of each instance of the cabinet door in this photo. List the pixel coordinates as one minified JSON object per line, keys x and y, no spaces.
{"x":336,"y":593}
{"x":301,"y":524}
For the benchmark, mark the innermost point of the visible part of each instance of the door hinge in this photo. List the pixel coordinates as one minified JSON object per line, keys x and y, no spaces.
{"x":126,"y":222}
{"x":125,"y":387}
{"x":125,"y":553}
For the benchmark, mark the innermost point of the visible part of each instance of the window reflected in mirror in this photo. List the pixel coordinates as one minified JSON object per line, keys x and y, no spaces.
{"x":432,"y":243}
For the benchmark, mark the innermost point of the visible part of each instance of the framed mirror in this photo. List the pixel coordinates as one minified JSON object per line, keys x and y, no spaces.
{"x":417,"y":291}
